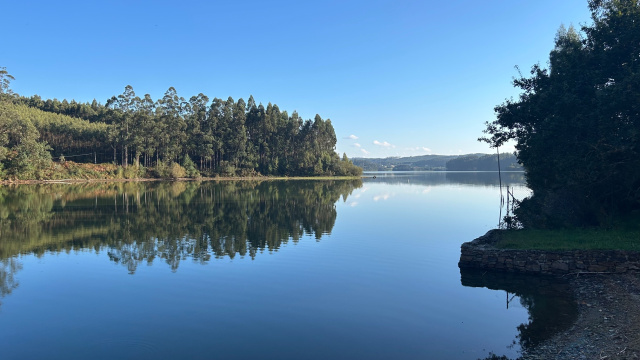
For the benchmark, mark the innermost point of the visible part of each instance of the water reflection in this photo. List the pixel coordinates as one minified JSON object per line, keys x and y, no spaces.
{"x":142,"y":222}
{"x":384,"y":285}
{"x":432,"y":178}
{"x":8,"y":269}
{"x":549,"y":301}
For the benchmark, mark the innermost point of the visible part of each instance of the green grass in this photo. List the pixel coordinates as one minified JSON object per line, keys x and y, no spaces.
{"x":621,"y":238}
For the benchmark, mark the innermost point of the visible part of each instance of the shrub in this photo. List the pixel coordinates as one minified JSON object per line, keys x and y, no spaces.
{"x":161,"y":170}
{"x":120,"y":173}
{"x":132,"y":172}
{"x":177,"y":171}
{"x":190,"y":167}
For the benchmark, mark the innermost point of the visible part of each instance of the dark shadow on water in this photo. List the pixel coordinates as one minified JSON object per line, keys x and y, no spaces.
{"x":549,"y":301}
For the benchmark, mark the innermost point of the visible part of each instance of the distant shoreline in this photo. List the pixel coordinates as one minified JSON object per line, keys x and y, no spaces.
{"x":366,"y":174}
{"x":226,"y":178}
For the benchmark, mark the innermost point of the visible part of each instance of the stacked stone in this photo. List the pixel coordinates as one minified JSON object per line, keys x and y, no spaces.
{"x":482,"y":254}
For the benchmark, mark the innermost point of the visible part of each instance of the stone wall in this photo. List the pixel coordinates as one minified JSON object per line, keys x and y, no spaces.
{"x":482,"y":254}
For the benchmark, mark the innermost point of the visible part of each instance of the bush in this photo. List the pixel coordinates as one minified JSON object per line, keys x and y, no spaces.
{"x":120,"y":173}
{"x":29,"y":159}
{"x":161,"y":170}
{"x":190,"y":167}
{"x":131,"y":172}
{"x":227,"y":169}
{"x":177,"y":171}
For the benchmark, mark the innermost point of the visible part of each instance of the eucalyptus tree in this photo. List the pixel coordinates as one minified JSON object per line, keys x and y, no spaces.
{"x":228,"y":135}
{"x":254,"y":118}
{"x":267,"y":127}
{"x":238,"y":142}
{"x":5,"y":82}
{"x":170,"y":110}
{"x":143,"y":136}
{"x":216,"y":130}
{"x":125,"y":106}
{"x":225,"y":137}
{"x":291,"y":147}
{"x":196,"y":121}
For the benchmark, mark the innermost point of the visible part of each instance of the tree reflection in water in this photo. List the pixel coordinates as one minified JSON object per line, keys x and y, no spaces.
{"x":548,"y":300}
{"x":171,"y":221}
{"x":8,"y":269}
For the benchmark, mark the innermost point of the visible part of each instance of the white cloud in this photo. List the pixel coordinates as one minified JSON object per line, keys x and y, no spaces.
{"x":351,"y":137}
{"x":364,"y":151}
{"x":381,"y":197}
{"x":419,"y":148}
{"x":357,"y":145}
{"x":384,"y":143}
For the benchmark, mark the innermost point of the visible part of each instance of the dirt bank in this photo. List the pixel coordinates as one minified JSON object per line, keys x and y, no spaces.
{"x":608,"y":324}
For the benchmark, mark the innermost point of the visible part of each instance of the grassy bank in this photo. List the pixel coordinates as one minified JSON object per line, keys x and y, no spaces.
{"x":79,"y":172}
{"x":617,"y":238}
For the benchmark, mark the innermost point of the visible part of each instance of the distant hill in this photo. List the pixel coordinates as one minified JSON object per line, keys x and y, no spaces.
{"x":468,"y":162}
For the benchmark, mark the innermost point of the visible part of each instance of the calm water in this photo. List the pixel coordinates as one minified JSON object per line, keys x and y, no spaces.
{"x":273,"y":270}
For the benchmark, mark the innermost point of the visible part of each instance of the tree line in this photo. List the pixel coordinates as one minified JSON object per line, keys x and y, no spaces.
{"x":490,"y":162}
{"x":576,"y":124}
{"x":208,"y":137}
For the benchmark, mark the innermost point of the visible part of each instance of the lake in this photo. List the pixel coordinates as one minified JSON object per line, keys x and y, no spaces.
{"x":297,"y":269}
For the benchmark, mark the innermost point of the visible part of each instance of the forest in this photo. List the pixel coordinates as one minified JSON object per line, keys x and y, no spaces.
{"x":485,"y":162}
{"x":167,"y":137}
{"x":468,"y":162}
{"x":576,"y":124}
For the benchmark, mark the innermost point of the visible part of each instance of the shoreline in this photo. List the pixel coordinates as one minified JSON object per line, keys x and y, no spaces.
{"x":226,"y":178}
{"x":608,"y":322}
{"x":608,"y":302}
{"x":607,"y":299}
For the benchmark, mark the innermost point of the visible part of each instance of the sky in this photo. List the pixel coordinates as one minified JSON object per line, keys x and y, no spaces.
{"x":396,"y":78}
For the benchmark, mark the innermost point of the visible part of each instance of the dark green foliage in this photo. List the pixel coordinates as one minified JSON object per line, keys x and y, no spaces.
{"x":577,"y":124}
{"x":190,"y":167}
{"x":221,"y":138}
{"x":21,"y":154}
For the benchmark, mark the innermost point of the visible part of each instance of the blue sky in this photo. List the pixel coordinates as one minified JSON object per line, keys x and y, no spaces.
{"x":396,"y":78}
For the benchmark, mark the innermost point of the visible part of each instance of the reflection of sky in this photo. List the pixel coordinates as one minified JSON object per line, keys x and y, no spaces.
{"x":414,"y":237}
{"x":385,"y":284}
